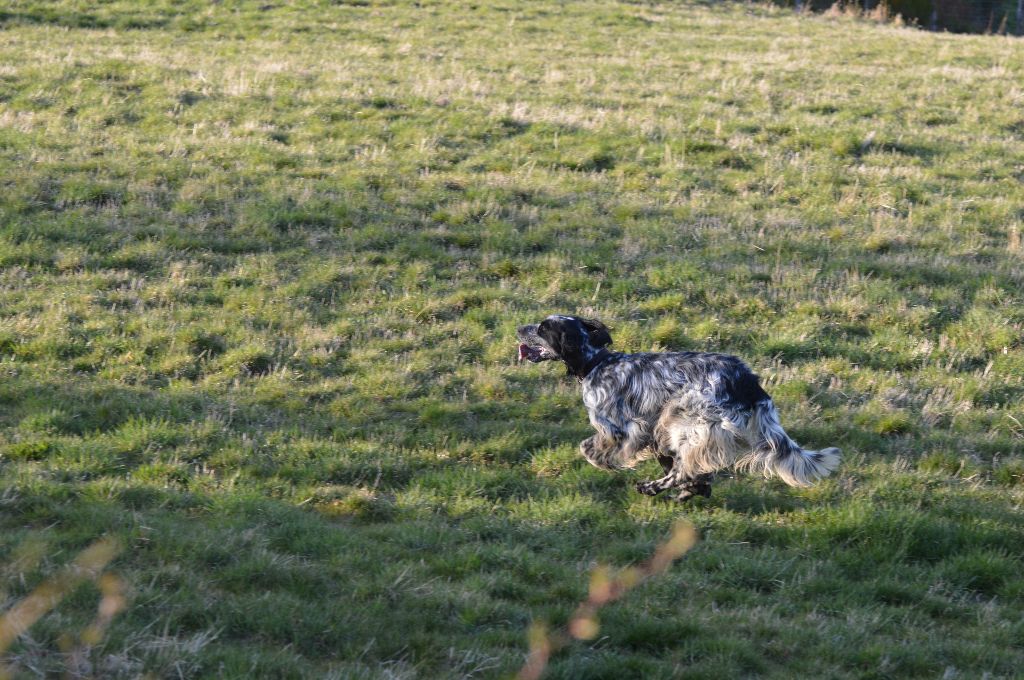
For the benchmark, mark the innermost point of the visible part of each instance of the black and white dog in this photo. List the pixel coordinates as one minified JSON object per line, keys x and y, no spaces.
{"x":696,"y":412}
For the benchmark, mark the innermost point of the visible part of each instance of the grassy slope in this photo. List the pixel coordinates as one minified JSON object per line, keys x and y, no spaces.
{"x":261,"y":269}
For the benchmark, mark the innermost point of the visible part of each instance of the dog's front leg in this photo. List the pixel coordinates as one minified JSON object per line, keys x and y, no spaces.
{"x":601,"y":451}
{"x":615,"y":448}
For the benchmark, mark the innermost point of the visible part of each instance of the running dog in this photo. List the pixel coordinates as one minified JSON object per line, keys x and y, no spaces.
{"x":696,"y":412}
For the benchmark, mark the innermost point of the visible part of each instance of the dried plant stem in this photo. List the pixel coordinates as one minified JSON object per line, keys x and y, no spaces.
{"x":604,"y":588}
{"x":89,"y":565}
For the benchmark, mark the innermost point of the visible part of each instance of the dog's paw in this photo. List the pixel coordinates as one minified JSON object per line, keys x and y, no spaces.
{"x":648,"y":488}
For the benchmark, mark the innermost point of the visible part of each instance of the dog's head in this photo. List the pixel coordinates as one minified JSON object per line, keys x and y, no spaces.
{"x":571,"y":339}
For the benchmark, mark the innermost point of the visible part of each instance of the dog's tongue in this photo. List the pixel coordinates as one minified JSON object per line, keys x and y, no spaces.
{"x":531,"y":354}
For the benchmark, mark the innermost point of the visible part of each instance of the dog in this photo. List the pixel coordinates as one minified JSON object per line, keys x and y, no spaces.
{"x":696,"y":412}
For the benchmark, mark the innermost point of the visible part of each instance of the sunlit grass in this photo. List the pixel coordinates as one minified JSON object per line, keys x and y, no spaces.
{"x":260,"y":271}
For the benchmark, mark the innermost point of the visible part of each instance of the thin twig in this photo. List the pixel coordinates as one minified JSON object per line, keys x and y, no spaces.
{"x":604,"y":588}
{"x":88,"y":565}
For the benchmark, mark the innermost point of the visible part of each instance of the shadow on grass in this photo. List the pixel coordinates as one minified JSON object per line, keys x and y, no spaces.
{"x":238,"y":568}
{"x":239,"y":544}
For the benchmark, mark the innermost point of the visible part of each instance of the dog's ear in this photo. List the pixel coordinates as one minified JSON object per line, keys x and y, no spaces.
{"x":598,"y":332}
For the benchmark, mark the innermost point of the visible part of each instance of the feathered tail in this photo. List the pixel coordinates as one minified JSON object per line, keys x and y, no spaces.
{"x":780,"y":455}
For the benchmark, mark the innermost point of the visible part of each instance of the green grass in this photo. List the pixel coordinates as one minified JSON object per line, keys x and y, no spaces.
{"x":260,"y":270}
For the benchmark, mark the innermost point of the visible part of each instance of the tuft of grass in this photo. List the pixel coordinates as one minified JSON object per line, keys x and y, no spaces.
{"x":1010,"y":473}
{"x":948,"y":463}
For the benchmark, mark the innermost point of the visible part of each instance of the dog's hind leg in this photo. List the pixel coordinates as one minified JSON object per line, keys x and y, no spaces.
{"x":652,"y":487}
{"x":675,"y":477}
{"x":702,"y":440}
{"x":698,"y":486}
{"x":670,"y":479}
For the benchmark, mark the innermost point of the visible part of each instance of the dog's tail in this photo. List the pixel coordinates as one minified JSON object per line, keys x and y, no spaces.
{"x":780,"y":455}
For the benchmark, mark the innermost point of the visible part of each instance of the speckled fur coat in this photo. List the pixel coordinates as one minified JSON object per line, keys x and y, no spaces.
{"x":695,"y":412}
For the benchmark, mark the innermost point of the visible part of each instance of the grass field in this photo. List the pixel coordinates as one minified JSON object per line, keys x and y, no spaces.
{"x":260,"y":270}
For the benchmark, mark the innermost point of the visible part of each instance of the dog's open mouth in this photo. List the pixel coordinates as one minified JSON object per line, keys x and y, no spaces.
{"x":531,"y":354}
